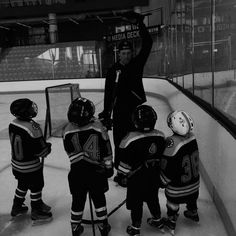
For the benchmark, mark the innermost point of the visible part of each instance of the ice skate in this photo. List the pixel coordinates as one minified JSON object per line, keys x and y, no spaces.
{"x":131,"y":230}
{"x":115,"y":179}
{"x":104,"y":229}
{"x":45,"y":207}
{"x":170,"y":225}
{"x":18,"y":210}
{"x":39,"y":217}
{"x":77,"y":229}
{"x":157,"y":223}
{"x":192,"y":215}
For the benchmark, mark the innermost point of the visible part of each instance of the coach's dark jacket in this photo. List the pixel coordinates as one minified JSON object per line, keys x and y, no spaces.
{"x":129,"y":91}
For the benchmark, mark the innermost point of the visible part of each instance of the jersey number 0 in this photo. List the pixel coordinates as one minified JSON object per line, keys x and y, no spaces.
{"x":17,"y":148}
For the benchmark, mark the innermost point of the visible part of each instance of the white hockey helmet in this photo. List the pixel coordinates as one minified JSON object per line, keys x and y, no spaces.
{"x":180,"y":122}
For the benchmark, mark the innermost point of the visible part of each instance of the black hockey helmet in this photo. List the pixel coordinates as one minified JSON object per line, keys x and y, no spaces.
{"x":125,"y":45}
{"x":144,"y":118}
{"x":24,"y":108}
{"x":80,"y":111}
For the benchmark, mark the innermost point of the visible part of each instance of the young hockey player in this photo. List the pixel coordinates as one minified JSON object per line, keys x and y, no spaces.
{"x":87,"y":144}
{"x":180,"y":169}
{"x":140,"y":154}
{"x":28,"y":146}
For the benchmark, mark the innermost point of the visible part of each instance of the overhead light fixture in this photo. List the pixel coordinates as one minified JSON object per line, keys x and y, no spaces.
{"x":46,"y":22}
{"x":27,"y":26}
{"x":99,"y":18}
{"x":74,"y":21}
{"x":3,"y":27}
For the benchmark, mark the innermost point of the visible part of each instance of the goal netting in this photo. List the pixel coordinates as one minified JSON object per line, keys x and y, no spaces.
{"x":58,"y":99}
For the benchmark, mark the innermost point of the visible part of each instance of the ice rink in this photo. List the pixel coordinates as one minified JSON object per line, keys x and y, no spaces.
{"x":56,"y":190}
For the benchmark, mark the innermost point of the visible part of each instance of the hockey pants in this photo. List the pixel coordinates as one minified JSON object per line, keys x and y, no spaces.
{"x":173,"y":208}
{"x":137,"y":212}
{"x":78,"y":204}
{"x":35,"y":191}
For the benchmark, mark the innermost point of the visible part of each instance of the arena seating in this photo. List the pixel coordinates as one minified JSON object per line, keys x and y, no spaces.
{"x":42,"y":62}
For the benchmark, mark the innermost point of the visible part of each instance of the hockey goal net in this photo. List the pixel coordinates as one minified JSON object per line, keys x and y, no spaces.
{"x":58,"y":99}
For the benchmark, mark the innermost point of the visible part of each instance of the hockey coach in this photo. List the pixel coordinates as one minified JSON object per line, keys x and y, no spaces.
{"x":124,"y":86}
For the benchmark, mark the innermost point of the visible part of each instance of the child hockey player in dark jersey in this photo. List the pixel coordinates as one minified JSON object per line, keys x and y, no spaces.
{"x":180,"y":169}
{"x":140,"y":154}
{"x":28,"y":146}
{"x":87,"y":144}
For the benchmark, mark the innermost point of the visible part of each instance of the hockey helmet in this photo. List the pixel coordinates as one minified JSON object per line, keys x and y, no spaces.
{"x":80,"y":111}
{"x":180,"y":122}
{"x":24,"y":108}
{"x":125,"y":45}
{"x":144,"y":118}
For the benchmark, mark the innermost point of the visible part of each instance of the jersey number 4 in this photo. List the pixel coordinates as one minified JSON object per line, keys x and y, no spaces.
{"x":90,"y":146}
{"x":190,"y":164}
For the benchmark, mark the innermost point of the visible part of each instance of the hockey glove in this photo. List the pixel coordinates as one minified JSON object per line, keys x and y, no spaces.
{"x":121,"y":180}
{"x":109,"y":172}
{"x":105,"y":119}
{"x":49,"y":146}
{"x":162,"y":182}
{"x":47,"y":150}
{"x":133,"y":17}
{"x":152,"y":163}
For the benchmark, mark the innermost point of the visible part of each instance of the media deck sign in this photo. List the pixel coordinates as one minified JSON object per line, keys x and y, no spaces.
{"x":128,"y":35}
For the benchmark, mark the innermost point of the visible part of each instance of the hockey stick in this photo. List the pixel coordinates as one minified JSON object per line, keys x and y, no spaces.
{"x":113,"y":99}
{"x":115,"y":89}
{"x":85,"y":221}
{"x":116,"y":208}
{"x":45,"y":133}
{"x":91,"y":211}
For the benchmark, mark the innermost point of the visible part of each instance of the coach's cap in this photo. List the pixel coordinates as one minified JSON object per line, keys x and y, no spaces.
{"x":124,"y":45}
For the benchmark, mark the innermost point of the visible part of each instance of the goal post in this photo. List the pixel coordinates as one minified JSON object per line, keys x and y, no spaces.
{"x":58,"y":99}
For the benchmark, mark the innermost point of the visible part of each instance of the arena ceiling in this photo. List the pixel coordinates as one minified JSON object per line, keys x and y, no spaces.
{"x":27,"y":13}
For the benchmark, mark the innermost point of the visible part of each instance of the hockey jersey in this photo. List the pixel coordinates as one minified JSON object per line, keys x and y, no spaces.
{"x":88,"y":144}
{"x":27,"y":146}
{"x":140,"y":149}
{"x":180,"y":168}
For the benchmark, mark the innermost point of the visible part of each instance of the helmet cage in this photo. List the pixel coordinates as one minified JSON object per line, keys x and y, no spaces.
{"x":33,"y":110}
